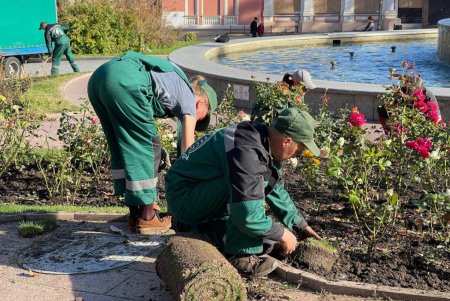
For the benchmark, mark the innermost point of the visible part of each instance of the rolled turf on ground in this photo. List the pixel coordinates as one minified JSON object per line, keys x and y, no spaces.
{"x":195,"y":270}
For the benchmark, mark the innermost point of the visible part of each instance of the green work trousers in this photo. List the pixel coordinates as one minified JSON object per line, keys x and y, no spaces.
{"x":121,"y":94}
{"x":58,"y":52}
{"x":203,"y":205}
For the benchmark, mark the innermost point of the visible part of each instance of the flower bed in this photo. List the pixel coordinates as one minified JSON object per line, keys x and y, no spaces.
{"x":384,"y":205}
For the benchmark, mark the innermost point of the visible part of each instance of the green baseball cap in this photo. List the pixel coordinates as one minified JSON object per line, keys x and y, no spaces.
{"x":203,"y":124}
{"x":299,"y":125}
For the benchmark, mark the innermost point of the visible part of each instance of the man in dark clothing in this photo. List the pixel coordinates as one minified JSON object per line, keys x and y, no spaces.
{"x":220,"y":186}
{"x":254,"y":27}
{"x":56,"y":34}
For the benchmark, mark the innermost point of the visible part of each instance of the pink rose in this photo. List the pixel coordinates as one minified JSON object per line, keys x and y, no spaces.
{"x":425,"y":143}
{"x":411,"y":144}
{"x":421,"y":106}
{"x":432,"y":106}
{"x":433,"y":116}
{"x":418,"y":94}
{"x":399,"y":129}
{"x":357,"y":119}
{"x":423,"y":152}
{"x":95,"y":120}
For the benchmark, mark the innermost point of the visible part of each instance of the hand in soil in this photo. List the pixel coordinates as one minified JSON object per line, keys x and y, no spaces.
{"x":308,"y":232}
{"x":288,"y":242}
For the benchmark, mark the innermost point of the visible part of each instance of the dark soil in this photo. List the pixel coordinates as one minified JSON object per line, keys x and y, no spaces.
{"x":27,"y":187}
{"x":413,"y":260}
{"x":409,"y":259}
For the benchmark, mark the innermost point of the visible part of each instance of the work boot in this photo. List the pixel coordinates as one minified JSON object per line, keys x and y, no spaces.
{"x":254,"y":265}
{"x":156,"y":225}
{"x":135,"y":214}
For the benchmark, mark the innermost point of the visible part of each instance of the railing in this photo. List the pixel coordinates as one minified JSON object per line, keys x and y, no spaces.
{"x":211,"y":20}
{"x":230,"y":20}
{"x":191,"y":20}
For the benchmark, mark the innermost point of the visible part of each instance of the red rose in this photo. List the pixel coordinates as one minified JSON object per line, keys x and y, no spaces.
{"x":357,"y":119}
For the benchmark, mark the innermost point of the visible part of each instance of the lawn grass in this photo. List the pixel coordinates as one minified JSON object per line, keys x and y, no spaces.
{"x":45,"y":94}
{"x":15,"y":209}
{"x":30,"y":229}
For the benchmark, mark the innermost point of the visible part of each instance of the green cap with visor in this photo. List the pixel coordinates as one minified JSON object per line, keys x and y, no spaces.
{"x":299,"y":125}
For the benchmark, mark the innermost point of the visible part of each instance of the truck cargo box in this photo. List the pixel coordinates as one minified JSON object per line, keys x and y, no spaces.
{"x":20,"y":38}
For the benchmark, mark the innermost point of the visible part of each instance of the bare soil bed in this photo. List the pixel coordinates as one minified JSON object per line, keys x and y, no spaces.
{"x":405,"y":258}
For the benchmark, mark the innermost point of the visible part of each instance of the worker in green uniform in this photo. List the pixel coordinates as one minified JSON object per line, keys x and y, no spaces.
{"x":58,"y":43}
{"x":128,"y":94}
{"x":220,"y":185}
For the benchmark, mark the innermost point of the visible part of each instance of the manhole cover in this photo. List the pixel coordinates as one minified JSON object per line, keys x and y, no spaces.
{"x":75,"y":248}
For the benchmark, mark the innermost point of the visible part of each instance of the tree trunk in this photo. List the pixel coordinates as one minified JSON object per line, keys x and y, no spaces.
{"x":194,"y":269}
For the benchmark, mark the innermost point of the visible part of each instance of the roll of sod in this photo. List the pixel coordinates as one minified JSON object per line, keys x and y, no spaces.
{"x":194,"y":269}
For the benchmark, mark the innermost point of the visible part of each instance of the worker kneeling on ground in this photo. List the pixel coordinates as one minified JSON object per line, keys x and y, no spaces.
{"x":220,"y":184}
{"x":128,"y":94}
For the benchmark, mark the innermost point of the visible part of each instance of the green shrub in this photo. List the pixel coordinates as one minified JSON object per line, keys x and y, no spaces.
{"x":17,"y":122}
{"x":190,"y":37}
{"x":114,"y":26}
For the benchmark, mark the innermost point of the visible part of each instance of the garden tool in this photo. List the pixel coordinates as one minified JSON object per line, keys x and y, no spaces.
{"x":43,"y":65}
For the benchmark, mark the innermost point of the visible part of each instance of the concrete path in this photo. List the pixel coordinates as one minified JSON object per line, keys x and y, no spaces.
{"x":136,"y":281}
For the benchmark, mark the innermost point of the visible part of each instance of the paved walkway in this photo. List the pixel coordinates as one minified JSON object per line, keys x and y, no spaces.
{"x":136,"y":281}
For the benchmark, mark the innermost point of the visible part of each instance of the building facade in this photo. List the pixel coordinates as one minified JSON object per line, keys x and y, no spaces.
{"x":305,"y":15}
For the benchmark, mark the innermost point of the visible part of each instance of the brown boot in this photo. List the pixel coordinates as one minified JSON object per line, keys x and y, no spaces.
{"x":132,"y":219}
{"x":156,"y":225}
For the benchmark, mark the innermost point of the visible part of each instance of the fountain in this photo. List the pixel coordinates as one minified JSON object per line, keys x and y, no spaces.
{"x":444,"y":40}
{"x":360,"y":89}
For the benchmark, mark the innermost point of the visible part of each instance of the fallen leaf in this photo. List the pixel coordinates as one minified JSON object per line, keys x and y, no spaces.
{"x":446,"y":217}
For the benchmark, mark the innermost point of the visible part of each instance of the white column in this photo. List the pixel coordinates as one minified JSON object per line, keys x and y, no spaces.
{"x":307,"y":11}
{"x":390,"y":8}
{"x":236,"y":8}
{"x":306,"y":16}
{"x":347,"y":15}
{"x":347,"y":10}
{"x":268,"y":12}
{"x":389,"y":14}
{"x":225,"y":7}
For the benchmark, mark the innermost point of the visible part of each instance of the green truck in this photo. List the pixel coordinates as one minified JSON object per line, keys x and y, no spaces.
{"x":20,"y":39}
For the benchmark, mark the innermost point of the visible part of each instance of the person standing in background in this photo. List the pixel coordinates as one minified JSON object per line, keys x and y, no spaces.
{"x":58,"y":43}
{"x":260,"y":29}
{"x":254,"y":27}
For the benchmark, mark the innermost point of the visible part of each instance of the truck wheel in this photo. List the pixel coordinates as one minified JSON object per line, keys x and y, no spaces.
{"x":13,"y":66}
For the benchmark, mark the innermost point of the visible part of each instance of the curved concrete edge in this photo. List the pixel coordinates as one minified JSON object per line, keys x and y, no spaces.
{"x":72,"y":92}
{"x":309,"y":280}
{"x":64,"y":216}
{"x":195,"y":59}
